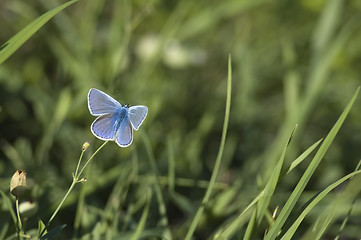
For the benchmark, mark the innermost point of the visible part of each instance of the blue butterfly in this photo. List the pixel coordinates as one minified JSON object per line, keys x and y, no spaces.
{"x":114,"y":122}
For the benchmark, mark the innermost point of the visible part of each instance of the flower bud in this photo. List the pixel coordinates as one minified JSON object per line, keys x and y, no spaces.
{"x":28,"y":208}
{"x":18,"y":183}
{"x":85,"y":146}
{"x":83,"y":180}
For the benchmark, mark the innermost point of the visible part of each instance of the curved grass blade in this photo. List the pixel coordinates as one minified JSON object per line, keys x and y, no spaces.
{"x":343,"y":225}
{"x":157,"y":187}
{"x":269,"y":189}
{"x":7,"y":49}
{"x":251,"y":226}
{"x":200,"y":210}
{"x":171,"y":166}
{"x":9,"y":206}
{"x":302,"y":156}
{"x":335,"y":209}
{"x":320,"y":196}
{"x":53,"y":233}
{"x":272,"y":183}
{"x":238,"y":222}
{"x":291,"y":202}
{"x":141,"y":224}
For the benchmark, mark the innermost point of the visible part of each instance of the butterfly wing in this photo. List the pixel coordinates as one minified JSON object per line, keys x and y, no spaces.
{"x":124,"y":135}
{"x":100,"y":103}
{"x":137,"y":115}
{"x":105,"y":126}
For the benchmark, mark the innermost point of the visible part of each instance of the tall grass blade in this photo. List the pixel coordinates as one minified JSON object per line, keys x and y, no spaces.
{"x":3,"y":230}
{"x":272,"y":183}
{"x":321,"y":63}
{"x":157,"y":187}
{"x":18,"y":39}
{"x":9,"y":206}
{"x":303,"y":156}
{"x":327,"y":24}
{"x":141,"y":224}
{"x":171,"y":166}
{"x":269,"y":189}
{"x":335,"y":210}
{"x":52,"y":234}
{"x":251,"y":225}
{"x":238,"y":222}
{"x":290,"y":232}
{"x":277,"y":226}
{"x":219,"y":156}
{"x":343,"y":225}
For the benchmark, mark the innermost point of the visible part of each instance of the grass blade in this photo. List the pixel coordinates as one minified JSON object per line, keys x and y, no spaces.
{"x":199,"y":213}
{"x":7,"y":203}
{"x":336,"y":209}
{"x":141,"y":224}
{"x":343,"y":225}
{"x":320,"y":196}
{"x":274,"y":231}
{"x":327,"y":24}
{"x":236,"y":224}
{"x":269,"y":189}
{"x":171,"y":166}
{"x":18,"y":39}
{"x":157,"y":187}
{"x":272,"y":183}
{"x":251,"y":226}
{"x":302,"y":156}
{"x":52,"y":234}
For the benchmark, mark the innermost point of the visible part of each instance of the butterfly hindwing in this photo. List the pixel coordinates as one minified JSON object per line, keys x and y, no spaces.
{"x":124,"y":135}
{"x":137,"y":115}
{"x":105,"y":127}
{"x":100,"y":103}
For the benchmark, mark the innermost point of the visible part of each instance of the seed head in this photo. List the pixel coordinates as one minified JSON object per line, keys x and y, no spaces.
{"x":85,"y":145}
{"x":18,"y":183}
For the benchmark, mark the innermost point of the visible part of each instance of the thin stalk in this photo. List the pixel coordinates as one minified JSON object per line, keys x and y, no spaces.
{"x":62,"y":201}
{"x":210,"y":188}
{"x":20,"y":226}
{"x":77,"y":166}
{"x":76,"y":180}
{"x":86,"y":164}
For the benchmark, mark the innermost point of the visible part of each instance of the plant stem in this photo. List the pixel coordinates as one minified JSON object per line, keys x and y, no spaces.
{"x":77,"y":166}
{"x":62,"y":201}
{"x":76,"y":177}
{"x":20,"y":226}
{"x":86,"y":164}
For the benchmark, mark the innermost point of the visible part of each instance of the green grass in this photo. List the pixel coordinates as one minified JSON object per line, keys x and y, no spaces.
{"x":199,"y":167}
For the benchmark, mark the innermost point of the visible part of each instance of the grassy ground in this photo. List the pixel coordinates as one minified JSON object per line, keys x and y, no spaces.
{"x":225,"y":82}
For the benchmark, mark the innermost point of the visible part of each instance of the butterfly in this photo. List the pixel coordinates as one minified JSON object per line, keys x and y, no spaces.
{"x":114,"y":122}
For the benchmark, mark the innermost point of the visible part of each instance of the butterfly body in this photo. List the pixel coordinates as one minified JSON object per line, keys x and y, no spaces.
{"x":114,"y":122}
{"x":120,"y":116}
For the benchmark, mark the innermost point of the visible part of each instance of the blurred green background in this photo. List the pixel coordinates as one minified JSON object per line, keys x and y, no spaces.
{"x":293,"y":62}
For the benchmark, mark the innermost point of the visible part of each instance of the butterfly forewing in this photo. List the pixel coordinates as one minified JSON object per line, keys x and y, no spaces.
{"x":124,"y":136}
{"x":105,"y":127}
{"x":100,"y":103}
{"x":137,"y":115}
